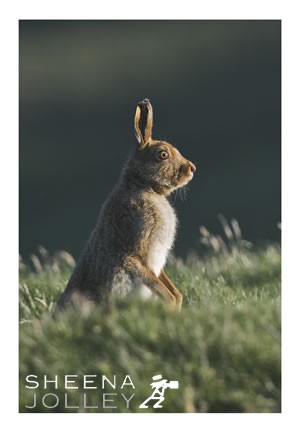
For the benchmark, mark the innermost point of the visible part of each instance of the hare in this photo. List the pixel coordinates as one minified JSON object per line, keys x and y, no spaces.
{"x":136,"y":228}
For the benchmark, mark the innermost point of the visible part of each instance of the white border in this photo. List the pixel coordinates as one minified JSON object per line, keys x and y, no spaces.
{"x":121,"y":425}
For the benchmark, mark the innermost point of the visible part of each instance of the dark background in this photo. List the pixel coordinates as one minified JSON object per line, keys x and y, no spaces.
{"x":216,"y":91}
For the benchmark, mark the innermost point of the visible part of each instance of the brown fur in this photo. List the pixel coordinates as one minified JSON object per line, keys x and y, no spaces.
{"x":136,"y":228}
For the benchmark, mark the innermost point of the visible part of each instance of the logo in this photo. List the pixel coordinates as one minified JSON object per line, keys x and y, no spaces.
{"x":91,"y":392}
{"x":159,"y":385}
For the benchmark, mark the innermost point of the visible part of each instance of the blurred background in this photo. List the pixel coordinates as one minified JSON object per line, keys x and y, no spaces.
{"x":216,"y":91}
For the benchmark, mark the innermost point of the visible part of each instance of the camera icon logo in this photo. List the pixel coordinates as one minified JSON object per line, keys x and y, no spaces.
{"x":159,"y":385}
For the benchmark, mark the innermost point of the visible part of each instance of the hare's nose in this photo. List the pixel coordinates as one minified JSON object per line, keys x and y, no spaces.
{"x":192,"y":167}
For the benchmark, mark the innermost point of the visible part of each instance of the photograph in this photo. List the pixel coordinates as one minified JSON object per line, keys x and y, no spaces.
{"x":149,"y":216}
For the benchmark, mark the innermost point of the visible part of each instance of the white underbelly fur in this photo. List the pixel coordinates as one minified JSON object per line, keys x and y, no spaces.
{"x":163,"y":238}
{"x":143,"y":292}
{"x":158,"y":256}
{"x":157,"y":259}
{"x":162,"y":242}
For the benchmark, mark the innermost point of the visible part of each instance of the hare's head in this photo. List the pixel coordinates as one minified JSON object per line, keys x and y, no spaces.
{"x":157,"y":163}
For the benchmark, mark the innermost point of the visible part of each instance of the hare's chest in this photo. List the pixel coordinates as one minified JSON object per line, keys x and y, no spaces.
{"x":163,"y":237}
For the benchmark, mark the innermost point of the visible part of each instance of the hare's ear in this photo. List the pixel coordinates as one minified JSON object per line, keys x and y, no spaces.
{"x":143,"y":121}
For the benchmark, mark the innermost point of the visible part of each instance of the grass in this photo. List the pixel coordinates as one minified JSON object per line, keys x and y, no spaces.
{"x":223,"y":348}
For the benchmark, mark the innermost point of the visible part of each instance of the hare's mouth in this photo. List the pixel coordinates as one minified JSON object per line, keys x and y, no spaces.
{"x":178,"y":182}
{"x":186,"y":177}
{"x":184,"y":180}
{"x":186,"y":172}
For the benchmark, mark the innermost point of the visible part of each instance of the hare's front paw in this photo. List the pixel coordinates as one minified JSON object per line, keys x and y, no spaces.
{"x":176,"y":303}
{"x":177,"y":300}
{"x":179,"y":303}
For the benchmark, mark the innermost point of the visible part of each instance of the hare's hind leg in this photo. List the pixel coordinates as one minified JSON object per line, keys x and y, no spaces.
{"x":171,"y":287}
{"x":75,"y":300}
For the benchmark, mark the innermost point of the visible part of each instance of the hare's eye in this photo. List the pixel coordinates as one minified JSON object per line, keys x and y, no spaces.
{"x":163,"y":155}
